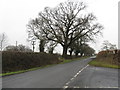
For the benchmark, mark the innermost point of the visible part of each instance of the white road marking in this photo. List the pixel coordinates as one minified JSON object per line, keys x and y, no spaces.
{"x":76,"y":87}
{"x":99,"y":87}
{"x":108,"y":87}
{"x":66,"y":85}
{"x":75,"y":76}
{"x":86,"y":87}
{"x":71,"y":79}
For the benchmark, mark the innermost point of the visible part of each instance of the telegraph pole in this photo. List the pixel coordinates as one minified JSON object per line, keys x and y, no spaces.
{"x":16,"y":43}
{"x":16,"y":46}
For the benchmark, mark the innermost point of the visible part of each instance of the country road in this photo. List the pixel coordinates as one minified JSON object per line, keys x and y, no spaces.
{"x":74,"y":74}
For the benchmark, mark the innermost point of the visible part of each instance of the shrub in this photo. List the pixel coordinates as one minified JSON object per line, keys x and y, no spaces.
{"x":112,"y":56}
{"x":14,"y":61}
{"x":102,"y":54}
{"x":119,"y":56}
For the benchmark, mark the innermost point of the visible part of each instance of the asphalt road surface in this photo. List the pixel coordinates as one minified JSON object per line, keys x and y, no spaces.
{"x":76,"y":74}
{"x":96,"y":77}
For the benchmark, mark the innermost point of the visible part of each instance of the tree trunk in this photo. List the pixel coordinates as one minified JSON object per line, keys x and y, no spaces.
{"x":41,"y":49}
{"x":76,"y":54}
{"x":81,"y":54}
{"x":51,"y":50}
{"x":65,"y":51}
{"x":71,"y":52}
{"x":41,"y":46}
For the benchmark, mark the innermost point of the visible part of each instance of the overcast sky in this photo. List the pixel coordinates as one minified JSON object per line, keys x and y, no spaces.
{"x":15,"y":14}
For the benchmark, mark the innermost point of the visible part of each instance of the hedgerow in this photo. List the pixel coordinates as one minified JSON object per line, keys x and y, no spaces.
{"x":15,"y":61}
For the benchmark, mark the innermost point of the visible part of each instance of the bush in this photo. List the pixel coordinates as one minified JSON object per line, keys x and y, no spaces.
{"x":112,"y":56}
{"x":119,"y":56}
{"x":15,"y":61}
{"x":118,"y":53}
{"x":102,"y":54}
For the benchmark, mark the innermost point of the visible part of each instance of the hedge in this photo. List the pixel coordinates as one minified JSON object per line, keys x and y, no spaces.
{"x":114,"y":55}
{"x":15,"y":61}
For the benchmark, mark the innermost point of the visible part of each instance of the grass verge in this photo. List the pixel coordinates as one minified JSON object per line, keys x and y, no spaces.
{"x":71,"y":60}
{"x":22,"y":71}
{"x":103,"y":64}
{"x":62,"y":59}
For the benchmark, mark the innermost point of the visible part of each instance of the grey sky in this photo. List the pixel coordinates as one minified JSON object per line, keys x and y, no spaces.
{"x":15,"y":14}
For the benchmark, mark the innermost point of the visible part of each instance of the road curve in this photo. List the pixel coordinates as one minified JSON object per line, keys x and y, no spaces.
{"x":76,"y":74}
{"x":96,"y":77}
{"x":52,"y":77}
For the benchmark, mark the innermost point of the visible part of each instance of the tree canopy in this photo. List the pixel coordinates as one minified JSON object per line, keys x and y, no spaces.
{"x":108,"y":46}
{"x":19,"y":48}
{"x":65,"y":24}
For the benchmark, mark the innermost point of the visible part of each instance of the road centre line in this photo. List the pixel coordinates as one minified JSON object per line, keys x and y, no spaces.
{"x":66,"y":85}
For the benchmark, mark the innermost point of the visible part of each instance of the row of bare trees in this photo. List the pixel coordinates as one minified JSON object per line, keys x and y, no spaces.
{"x":5,"y":47}
{"x":65,"y":25}
{"x":19,"y":48}
{"x":3,"y":41}
{"x":106,"y":45}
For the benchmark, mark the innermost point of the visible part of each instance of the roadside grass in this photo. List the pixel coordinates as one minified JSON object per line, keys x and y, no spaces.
{"x":22,"y":71}
{"x":71,"y":60}
{"x":104,"y":62}
{"x":32,"y":69}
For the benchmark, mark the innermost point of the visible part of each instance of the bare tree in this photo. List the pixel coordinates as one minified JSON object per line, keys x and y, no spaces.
{"x":51,"y":46}
{"x":87,"y":50}
{"x":11,"y":48}
{"x":77,"y":46}
{"x":3,"y":41}
{"x":108,"y":46}
{"x":19,"y":48}
{"x":34,"y":33}
{"x":61,"y":24}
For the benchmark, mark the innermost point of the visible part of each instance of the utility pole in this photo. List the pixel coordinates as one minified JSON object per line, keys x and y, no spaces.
{"x":1,"y":45}
{"x":16,"y":44}
{"x":33,"y":44}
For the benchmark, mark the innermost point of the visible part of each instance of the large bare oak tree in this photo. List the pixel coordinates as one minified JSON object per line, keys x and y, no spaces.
{"x":66,"y":23}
